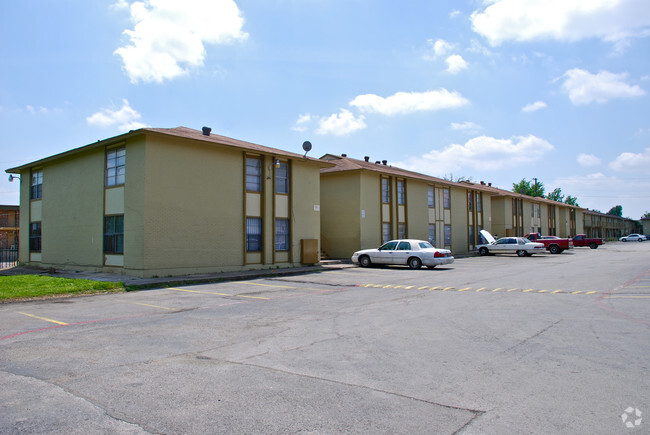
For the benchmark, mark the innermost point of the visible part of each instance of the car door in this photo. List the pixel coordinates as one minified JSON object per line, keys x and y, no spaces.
{"x":385,"y":253}
{"x":402,"y":253}
{"x":505,"y":245}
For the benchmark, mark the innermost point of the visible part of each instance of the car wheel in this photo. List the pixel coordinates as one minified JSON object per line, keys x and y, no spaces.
{"x":593,"y":245}
{"x":521,"y":253}
{"x":624,"y":240}
{"x":483,"y":252}
{"x":555,"y":249}
{"x":640,"y":240}
{"x":364,"y":261}
{"x":414,"y":263}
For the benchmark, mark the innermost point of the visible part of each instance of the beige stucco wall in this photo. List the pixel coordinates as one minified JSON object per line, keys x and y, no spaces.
{"x":418,"y":210}
{"x":306,"y":205}
{"x":340,"y":213}
{"x":370,"y":197}
{"x":459,"y":239}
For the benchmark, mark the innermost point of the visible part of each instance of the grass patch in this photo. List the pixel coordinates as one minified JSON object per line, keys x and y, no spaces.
{"x":34,"y":286}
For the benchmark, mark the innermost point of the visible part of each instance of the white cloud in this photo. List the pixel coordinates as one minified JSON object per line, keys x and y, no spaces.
{"x":42,"y":110}
{"x":527,"y":20}
{"x":125,"y":118}
{"x":341,"y":124}
{"x":632,"y":162}
{"x":465,"y":126}
{"x":409,"y":102}
{"x":584,"y":87}
{"x":481,"y":153}
{"x":455,"y":64}
{"x":302,"y":122}
{"x":454,"y":13}
{"x":532,"y":107}
{"x":168,"y":37}
{"x":440,"y":48}
{"x":588,"y":160}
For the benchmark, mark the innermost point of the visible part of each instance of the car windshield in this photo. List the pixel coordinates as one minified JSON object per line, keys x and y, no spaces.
{"x":425,"y":245}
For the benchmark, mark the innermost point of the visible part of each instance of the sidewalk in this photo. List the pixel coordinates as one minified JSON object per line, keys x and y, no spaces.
{"x":136,"y":283}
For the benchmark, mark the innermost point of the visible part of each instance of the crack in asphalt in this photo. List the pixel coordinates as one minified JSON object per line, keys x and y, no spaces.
{"x":537,"y":334}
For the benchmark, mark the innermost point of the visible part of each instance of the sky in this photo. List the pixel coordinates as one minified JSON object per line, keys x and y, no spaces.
{"x":494,"y":90}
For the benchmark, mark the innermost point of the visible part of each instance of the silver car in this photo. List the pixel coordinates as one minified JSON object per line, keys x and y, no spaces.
{"x":413,"y":253}
{"x":509,"y":245}
{"x":633,"y":238}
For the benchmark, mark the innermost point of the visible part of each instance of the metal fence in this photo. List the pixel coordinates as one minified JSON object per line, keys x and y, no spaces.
{"x":8,"y":258}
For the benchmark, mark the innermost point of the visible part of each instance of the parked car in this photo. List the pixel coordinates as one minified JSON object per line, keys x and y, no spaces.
{"x":509,"y":245}
{"x":413,"y":253}
{"x":633,"y":238}
{"x":553,"y":244}
{"x":583,"y":240}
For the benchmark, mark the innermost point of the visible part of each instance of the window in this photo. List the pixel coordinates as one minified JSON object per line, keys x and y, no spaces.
{"x":431,"y":196}
{"x":114,"y":234}
{"x":253,"y":174}
{"x":385,"y":232}
{"x":385,"y":190}
{"x":281,"y":234}
{"x":404,"y":246}
{"x":115,"y":166}
{"x":401,"y":231}
{"x":446,"y":198}
{"x":471,"y":235}
{"x":470,"y":201}
{"x":36,"y":191}
{"x":432,"y":234}
{"x":253,"y":234}
{"x":35,"y":237}
{"x":479,"y":202}
{"x":389,"y":246}
{"x":400,"y":192}
{"x":447,"y":234}
{"x":282,"y":178}
{"x":532,"y":210}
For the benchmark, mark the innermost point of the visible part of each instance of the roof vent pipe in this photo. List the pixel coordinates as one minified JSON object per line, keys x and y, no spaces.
{"x":489,"y":184}
{"x":377,"y":162}
{"x":385,"y":162}
{"x":366,"y":158}
{"x":206,"y":131}
{"x":344,"y":155}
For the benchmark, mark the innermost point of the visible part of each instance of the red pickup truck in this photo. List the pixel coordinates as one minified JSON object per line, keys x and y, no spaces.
{"x":582,"y":240}
{"x":554,"y":245}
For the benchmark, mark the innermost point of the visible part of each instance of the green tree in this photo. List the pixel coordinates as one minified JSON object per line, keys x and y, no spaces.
{"x":646,"y":215}
{"x":556,"y":195}
{"x":617,"y":210}
{"x":572,"y":200}
{"x":530,"y":188}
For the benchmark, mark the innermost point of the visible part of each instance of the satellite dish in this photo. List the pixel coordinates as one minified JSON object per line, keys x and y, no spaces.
{"x":306,"y":145}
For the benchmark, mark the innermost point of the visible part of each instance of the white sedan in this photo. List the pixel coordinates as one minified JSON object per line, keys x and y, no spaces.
{"x":413,"y":253}
{"x":509,"y":245}
{"x":633,"y":238}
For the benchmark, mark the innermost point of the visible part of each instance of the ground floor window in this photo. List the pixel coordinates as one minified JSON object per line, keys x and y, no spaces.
{"x":253,"y":234}
{"x":281,"y":234}
{"x":385,"y":232}
{"x":447,"y":234}
{"x":432,"y":234}
{"x":35,"y":237}
{"x":114,"y":234}
{"x":401,"y":231}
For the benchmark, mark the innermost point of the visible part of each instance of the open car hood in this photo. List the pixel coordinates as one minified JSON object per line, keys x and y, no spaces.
{"x":488,"y":237}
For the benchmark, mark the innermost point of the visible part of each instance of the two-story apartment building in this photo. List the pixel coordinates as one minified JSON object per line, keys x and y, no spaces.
{"x":174,"y":201}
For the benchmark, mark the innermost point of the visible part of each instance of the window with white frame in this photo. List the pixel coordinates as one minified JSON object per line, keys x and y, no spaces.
{"x":253,"y":174}
{"x":446,"y":198}
{"x":114,"y":234}
{"x":400,"y":192}
{"x":36,"y":191}
{"x":431,"y":198}
{"x":115,"y":166}
{"x":385,"y":190}
{"x":282,"y":178}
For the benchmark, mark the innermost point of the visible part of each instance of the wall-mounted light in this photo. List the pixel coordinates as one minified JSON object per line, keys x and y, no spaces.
{"x":13,"y":177}
{"x":277,"y":163}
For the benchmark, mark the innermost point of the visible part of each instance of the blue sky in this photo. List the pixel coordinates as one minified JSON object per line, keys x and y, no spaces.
{"x":495,"y":90}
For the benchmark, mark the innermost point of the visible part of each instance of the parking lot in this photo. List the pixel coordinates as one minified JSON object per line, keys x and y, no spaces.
{"x":498,"y":344}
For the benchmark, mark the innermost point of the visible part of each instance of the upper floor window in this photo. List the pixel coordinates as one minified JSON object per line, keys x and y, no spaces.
{"x":446,"y":198}
{"x":400,"y":192}
{"x":36,"y":191}
{"x":470,"y":201}
{"x":282,"y":178}
{"x":253,"y":174}
{"x":431,"y":196}
{"x":385,"y":190}
{"x":115,"y":166}
{"x":479,"y":202}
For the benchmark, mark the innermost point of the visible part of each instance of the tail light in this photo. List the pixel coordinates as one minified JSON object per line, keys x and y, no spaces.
{"x":439,"y":254}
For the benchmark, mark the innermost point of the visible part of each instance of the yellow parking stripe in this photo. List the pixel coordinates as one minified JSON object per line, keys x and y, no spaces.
{"x":434,"y":288}
{"x":496,"y":289}
{"x":528,"y":290}
{"x":556,"y":291}
{"x":576,"y":292}
{"x":480,"y":289}
{"x":197,"y":291}
{"x":252,"y":297}
{"x":590,"y":293}
{"x":43,"y":318}
{"x":422,"y":288}
{"x":147,"y":305}
{"x":448,"y":288}
{"x":512,"y":289}
{"x":464,"y":289}
{"x":409,"y":287}
{"x":542,"y":291}
{"x":263,"y":285}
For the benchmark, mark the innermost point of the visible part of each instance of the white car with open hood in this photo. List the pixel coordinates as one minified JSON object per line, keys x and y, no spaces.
{"x":408,"y":252}
{"x":509,"y":245}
